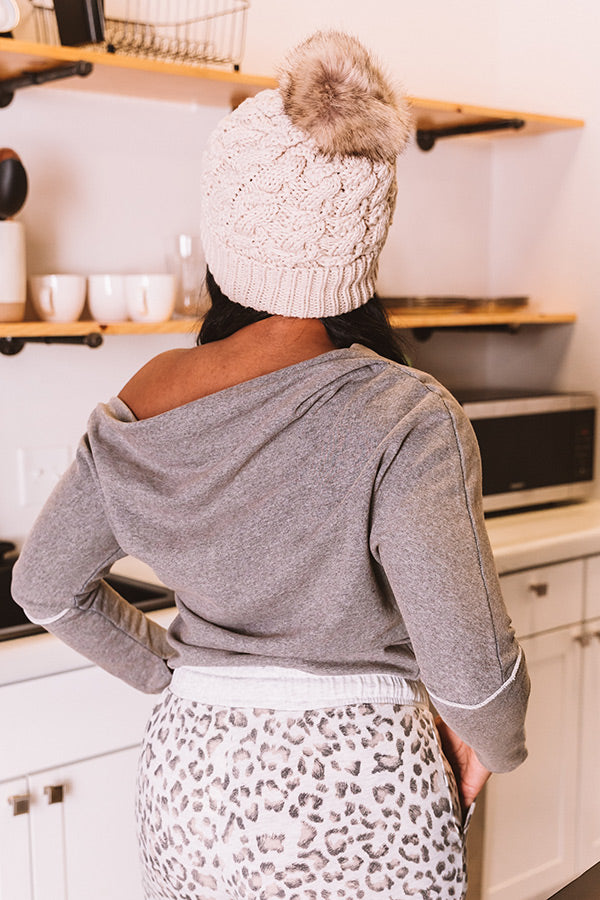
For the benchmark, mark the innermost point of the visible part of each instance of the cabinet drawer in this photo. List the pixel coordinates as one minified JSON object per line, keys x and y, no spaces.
{"x":544,"y":598}
{"x":592,"y":588}
{"x":62,"y":718}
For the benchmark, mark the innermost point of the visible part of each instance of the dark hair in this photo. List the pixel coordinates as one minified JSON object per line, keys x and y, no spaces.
{"x":224,"y":317}
{"x":367,"y":325}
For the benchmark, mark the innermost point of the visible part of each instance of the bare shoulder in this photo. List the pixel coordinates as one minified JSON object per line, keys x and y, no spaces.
{"x":160,"y":384}
{"x":178,"y":377}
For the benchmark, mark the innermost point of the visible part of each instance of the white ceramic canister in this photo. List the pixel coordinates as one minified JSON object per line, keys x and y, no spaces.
{"x":12,"y":272}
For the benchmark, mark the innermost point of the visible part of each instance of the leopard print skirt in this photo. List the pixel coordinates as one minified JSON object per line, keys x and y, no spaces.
{"x":336,"y":803}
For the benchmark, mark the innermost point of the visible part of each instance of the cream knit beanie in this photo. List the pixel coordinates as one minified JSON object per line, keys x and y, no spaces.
{"x":299,"y":184}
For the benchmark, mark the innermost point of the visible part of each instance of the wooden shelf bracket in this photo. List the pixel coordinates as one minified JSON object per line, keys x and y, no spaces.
{"x":8,"y":86}
{"x":426,"y":137}
{"x":10,"y":346}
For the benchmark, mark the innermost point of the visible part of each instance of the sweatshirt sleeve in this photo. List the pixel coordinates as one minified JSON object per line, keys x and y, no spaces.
{"x":58,"y":580}
{"x":428,"y":533}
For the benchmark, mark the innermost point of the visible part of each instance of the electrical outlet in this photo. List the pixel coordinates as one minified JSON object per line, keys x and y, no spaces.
{"x":40,"y":469}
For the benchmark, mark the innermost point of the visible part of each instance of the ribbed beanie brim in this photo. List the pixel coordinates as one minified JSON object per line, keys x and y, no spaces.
{"x":304,"y":291}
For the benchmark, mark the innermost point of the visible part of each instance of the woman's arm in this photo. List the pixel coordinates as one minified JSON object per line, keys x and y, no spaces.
{"x":58,"y":580}
{"x":429,"y":535}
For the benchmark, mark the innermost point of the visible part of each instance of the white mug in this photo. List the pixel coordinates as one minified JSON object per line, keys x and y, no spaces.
{"x":58,"y":298}
{"x":150,"y":298}
{"x":106,"y":298}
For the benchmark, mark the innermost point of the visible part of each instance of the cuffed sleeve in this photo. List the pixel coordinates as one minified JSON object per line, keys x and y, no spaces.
{"x":58,"y":580}
{"x":429,"y":536}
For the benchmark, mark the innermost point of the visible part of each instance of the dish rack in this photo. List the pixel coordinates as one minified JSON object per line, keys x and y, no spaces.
{"x":188,"y":31}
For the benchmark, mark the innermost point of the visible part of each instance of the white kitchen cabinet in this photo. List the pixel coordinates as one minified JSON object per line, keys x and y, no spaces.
{"x":588,"y":833}
{"x":545,"y":597}
{"x":100,"y":805}
{"x":529,"y":837}
{"x":71,"y":743}
{"x":542,"y":821}
{"x":592,"y":588}
{"x":69,"y":833}
{"x":83,"y":845}
{"x":15,"y":855}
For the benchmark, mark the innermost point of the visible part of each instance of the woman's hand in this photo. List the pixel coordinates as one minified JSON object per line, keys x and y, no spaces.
{"x":470,"y":774}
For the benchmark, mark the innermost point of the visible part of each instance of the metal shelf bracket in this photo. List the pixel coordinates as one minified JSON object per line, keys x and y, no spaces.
{"x":426,"y":137}
{"x":9,"y":85}
{"x":425,"y":333}
{"x":10,"y":346}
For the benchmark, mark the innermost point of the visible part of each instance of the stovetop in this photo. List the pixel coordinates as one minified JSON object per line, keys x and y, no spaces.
{"x":15,"y":624}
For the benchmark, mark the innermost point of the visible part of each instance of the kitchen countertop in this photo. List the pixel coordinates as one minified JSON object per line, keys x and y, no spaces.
{"x":520,"y":541}
{"x":544,"y":536}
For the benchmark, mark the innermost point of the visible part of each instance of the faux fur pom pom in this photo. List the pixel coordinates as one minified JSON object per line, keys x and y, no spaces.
{"x":334,"y":91}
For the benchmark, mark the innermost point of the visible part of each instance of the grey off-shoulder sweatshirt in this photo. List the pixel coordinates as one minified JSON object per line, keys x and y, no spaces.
{"x":325,"y":517}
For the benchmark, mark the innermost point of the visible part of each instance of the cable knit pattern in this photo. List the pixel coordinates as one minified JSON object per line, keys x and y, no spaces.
{"x":285,"y":227}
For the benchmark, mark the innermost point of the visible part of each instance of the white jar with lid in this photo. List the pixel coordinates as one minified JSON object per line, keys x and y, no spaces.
{"x":12,"y":271}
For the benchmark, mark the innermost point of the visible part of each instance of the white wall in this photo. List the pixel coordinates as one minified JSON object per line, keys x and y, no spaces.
{"x":113,"y":180}
{"x":546,"y":206}
{"x":541,"y":203}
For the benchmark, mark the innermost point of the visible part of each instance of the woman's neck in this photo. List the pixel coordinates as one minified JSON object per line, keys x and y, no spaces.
{"x":277,"y":342}
{"x":180,"y":376}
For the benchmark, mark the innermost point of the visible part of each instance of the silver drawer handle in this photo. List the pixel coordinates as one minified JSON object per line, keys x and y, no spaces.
{"x":55,"y":793}
{"x":20,"y":804}
{"x":540,"y":589}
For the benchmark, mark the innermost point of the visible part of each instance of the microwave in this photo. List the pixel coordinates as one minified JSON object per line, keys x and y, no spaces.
{"x":536,"y":449}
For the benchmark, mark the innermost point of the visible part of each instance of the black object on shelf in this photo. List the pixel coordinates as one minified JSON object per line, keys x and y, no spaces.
{"x":9,"y":85}
{"x":426,"y":137}
{"x":79,"y":21}
{"x":13,"y":185}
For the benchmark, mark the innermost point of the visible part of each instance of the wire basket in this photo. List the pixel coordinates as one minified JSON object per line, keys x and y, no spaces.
{"x":189,"y":31}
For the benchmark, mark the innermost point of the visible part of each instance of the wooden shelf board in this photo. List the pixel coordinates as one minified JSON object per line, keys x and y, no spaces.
{"x":173,"y":326}
{"x":399,"y":319}
{"x":133,"y":76}
{"x":82,"y":327}
{"x":405,"y":319}
{"x":136,"y":76}
{"x":441,"y":114}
